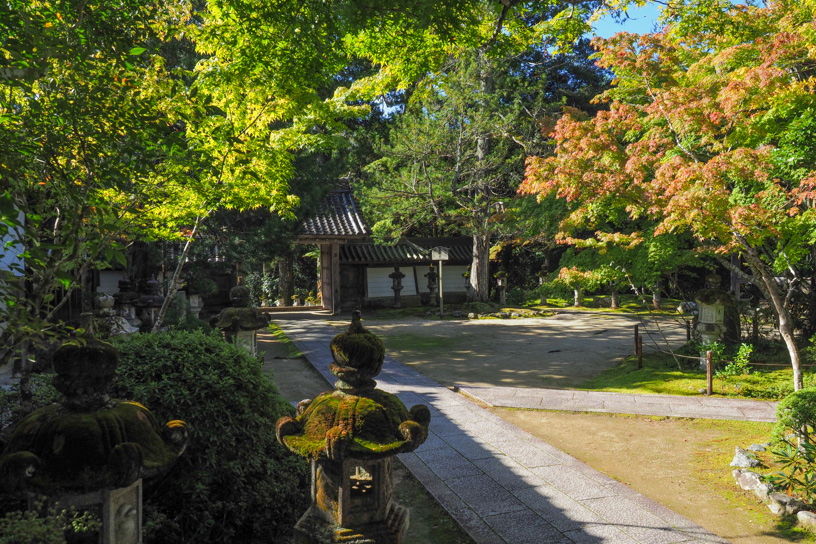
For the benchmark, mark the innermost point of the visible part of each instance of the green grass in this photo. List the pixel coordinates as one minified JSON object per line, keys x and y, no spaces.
{"x":292,"y":352}
{"x":653,"y":378}
{"x":629,"y":305}
{"x":660,"y":375}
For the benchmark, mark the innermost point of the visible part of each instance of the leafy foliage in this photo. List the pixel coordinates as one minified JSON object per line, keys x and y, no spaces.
{"x":29,"y":528}
{"x":692,"y":139}
{"x":737,"y":367}
{"x":234,"y":482}
{"x":797,"y":471}
{"x":43,"y":393}
{"x":48,"y":527}
{"x":797,"y":413}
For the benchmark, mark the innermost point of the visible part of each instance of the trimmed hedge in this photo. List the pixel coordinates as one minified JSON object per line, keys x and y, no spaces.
{"x":234,"y":483}
{"x":797,"y":413}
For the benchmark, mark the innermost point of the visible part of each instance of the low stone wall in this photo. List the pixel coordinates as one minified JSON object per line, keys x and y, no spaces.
{"x":778,"y":503}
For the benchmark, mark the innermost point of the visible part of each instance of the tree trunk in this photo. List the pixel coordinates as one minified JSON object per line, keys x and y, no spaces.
{"x":480,"y":268}
{"x":783,"y":315}
{"x":613,"y":297}
{"x":734,"y":277}
{"x":174,"y":281}
{"x":286,"y":273}
{"x":656,"y":299}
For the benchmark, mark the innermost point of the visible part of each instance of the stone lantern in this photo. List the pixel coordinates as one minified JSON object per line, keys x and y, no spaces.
{"x":106,"y":318}
{"x":433,"y":282}
{"x":351,"y":436}
{"x":240,"y":323}
{"x":396,"y":285}
{"x":125,"y":303}
{"x":151,"y":302}
{"x":501,"y":287}
{"x":717,"y":314}
{"x":89,"y":451}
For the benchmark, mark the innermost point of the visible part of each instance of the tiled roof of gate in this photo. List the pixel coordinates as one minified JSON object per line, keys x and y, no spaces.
{"x":337,"y":217}
{"x":406,"y":251}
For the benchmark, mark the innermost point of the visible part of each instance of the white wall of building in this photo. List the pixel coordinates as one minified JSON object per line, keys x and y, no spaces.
{"x":379,"y":284}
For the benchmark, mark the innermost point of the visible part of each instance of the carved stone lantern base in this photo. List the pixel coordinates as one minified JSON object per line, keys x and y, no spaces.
{"x":312,"y":528}
{"x":246,"y":340}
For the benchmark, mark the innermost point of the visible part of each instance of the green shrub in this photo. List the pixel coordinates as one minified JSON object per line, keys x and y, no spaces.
{"x":797,"y":474}
{"x":179,"y":317}
{"x":554,"y":289}
{"x":797,"y":413}
{"x":234,"y":483}
{"x":29,"y":528}
{"x":49,"y":527}
{"x":42,"y":391}
{"x":738,"y":367}
{"x":517,"y":296}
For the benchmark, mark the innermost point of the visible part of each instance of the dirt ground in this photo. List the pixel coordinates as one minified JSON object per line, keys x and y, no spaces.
{"x":668,"y":460}
{"x":555,"y":352}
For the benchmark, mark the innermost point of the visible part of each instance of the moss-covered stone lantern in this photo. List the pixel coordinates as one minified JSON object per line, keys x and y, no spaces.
{"x":90,"y":451}
{"x":351,"y":435}
{"x":718,"y":317}
{"x":240,"y":323}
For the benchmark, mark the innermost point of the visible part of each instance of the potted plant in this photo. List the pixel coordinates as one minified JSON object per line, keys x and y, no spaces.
{"x":296,"y":299}
{"x":311,"y":300}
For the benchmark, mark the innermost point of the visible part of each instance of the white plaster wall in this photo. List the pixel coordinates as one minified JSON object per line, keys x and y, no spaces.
{"x":379,"y":284}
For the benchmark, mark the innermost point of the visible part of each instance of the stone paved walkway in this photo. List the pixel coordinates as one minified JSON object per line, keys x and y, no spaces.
{"x":624,"y":403}
{"x":501,"y":484}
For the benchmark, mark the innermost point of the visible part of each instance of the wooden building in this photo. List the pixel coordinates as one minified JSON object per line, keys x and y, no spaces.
{"x":354,"y":271}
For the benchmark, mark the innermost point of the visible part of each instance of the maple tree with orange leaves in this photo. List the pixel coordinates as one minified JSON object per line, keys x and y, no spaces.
{"x":710,"y":129}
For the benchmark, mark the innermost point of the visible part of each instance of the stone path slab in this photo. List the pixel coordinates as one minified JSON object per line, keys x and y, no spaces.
{"x":501,"y":484}
{"x":624,"y":403}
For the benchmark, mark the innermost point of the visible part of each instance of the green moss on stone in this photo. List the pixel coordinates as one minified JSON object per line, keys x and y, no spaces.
{"x":76,"y":449}
{"x":371,"y":422}
{"x":714,"y":296}
{"x":244,"y":319}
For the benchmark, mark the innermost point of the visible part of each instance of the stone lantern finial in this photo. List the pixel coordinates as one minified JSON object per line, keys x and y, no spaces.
{"x":352,"y":435}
